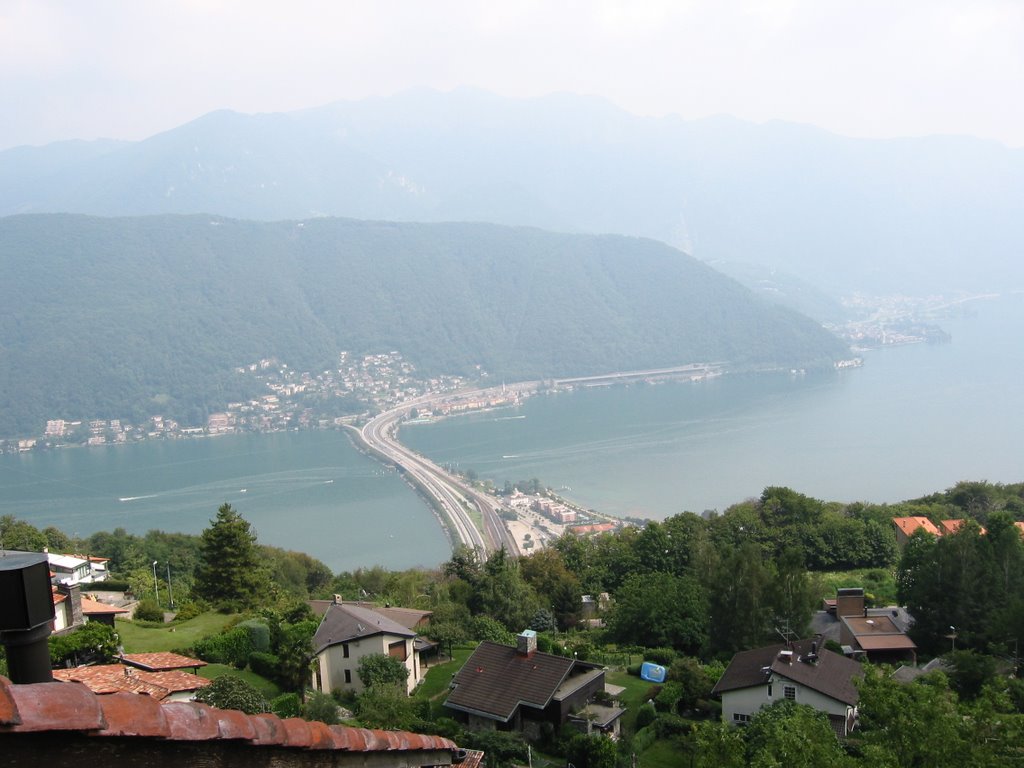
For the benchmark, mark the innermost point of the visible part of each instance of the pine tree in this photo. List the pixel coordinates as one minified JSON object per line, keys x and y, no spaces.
{"x":230,"y":573}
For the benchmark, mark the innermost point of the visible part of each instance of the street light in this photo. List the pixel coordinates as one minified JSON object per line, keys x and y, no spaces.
{"x":170,"y":592}
{"x":156,"y":587}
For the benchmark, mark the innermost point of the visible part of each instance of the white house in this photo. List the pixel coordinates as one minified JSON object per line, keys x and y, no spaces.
{"x":799,"y":672}
{"x":75,"y":569}
{"x":346,"y":634}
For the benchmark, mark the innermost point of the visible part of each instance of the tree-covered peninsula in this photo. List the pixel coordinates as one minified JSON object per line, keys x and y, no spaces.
{"x":125,"y":318}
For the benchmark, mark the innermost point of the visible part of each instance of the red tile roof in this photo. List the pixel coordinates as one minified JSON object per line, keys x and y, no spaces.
{"x":111,"y":678}
{"x":908,"y":525}
{"x":41,"y":707}
{"x":156,"y":662}
{"x":92,"y":607}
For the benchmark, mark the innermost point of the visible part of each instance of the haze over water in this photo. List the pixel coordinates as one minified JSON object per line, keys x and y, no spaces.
{"x":913,"y":420}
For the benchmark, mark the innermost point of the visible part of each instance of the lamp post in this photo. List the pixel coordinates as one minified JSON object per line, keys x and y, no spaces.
{"x":156,"y":586}
{"x":170,"y":592}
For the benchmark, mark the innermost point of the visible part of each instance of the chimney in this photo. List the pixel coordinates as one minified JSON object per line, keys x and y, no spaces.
{"x":850,"y":602}
{"x":786,"y":657}
{"x":74,"y":595}
{"x":526,"y":643}
{"x":27,"y":616}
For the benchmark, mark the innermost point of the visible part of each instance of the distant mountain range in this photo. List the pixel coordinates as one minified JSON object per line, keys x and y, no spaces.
{"x":128,"y":317}
{"x":908,"y":215}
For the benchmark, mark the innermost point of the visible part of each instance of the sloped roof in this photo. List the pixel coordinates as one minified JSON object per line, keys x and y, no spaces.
{"x":72,"y":707}
{"x":908,"y":525}
{"x":877,"y":632}
{"x":92,"y":607}
{"x":156,"y":662}
{"x":343,"y":623}
{"x":407,"y":617}
{"x":832,"y":675}
{"x":497,"y":679}
{"x":111,"y":678}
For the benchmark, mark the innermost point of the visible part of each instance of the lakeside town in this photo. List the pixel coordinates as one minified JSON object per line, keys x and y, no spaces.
{"x":362,"y":385}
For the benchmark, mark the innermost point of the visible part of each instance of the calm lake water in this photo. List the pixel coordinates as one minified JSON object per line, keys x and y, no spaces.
{"x":913,"y":420}
{"x":307,"y":491}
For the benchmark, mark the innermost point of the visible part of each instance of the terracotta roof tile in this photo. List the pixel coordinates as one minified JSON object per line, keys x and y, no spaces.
{"x":159,"y":662}
{"x":190,"y":721}
{"x":92,"y":607}
{"x":51,"y":707}
{"x":128,"y":714}
{"x":111,"y":678}
{"x":73,"y":707}
{"x":233,"y":724}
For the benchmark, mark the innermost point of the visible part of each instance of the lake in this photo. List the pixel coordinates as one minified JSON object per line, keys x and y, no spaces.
{"x":307,"y":491}
{"x":915,"y":419}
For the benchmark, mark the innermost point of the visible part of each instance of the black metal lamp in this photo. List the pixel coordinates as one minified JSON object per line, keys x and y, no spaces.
{"x":26,"y":614}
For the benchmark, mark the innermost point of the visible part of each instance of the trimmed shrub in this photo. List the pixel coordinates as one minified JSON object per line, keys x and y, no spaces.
{"x":645,"y":716}
{"x":321,"y":707}
{"x":148,"y":610}
{"x":259,"y":634}
{"x":286,"y":705}
{"x":265,"y":664}
{"x":189,"y":611}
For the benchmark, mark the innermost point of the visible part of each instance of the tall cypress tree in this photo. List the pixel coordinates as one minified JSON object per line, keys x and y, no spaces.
{"x":230,"y":572}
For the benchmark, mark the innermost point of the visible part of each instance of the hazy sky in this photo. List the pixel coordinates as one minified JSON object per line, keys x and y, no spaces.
{"x":131,"y":68}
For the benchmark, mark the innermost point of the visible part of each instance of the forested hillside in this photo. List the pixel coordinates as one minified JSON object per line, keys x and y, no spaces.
{"x":123,"y":318}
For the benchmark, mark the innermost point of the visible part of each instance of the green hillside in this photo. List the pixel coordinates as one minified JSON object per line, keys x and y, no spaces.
{"x":123,"y":318}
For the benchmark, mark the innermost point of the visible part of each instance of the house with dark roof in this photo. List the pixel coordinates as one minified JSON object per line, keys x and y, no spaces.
{"x":800,"y":672}
{"x":518,"y":688}
{"x":346,"y":634}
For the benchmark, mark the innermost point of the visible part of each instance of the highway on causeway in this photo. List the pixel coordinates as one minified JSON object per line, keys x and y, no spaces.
{"x":458,"y":501}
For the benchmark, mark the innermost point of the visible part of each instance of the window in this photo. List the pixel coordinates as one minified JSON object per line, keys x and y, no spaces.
{"x":769,"y":690}
{"x":789,"y":691}
{"x":344,"y":650}
{"x":738,"y":718}
{"x":348,"y":675}
{"x":397,"y":650}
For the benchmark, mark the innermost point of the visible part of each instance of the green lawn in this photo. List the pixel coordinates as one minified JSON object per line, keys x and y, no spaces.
{"x":139,"y":639}
{"x":434,"y":687}
{"x":633,"y":697}
{"x":663,"y":754}
{"x":261,"y":684}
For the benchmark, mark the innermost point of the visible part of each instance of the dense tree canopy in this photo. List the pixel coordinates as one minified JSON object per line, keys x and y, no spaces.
{"x":230,"y":571}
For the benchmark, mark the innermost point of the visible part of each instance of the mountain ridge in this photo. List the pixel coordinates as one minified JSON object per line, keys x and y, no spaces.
{"x":107,"y":318}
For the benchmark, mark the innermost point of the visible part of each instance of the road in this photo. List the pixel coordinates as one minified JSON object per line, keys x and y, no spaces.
{"x":452,"y":495}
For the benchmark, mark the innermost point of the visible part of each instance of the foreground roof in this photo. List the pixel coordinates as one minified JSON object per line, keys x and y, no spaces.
{"x":832,"y":675}
{"x":71,"y":708}
{"x":497,"y":679}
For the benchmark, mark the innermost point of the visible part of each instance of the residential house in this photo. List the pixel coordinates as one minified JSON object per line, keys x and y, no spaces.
{"x":77,"y":569}
{"x":800,"y":672}
{"x":520,"y":689}
{"x":347,"y":633}
{"x":908,"y":526}
{"x":877,"y":634}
